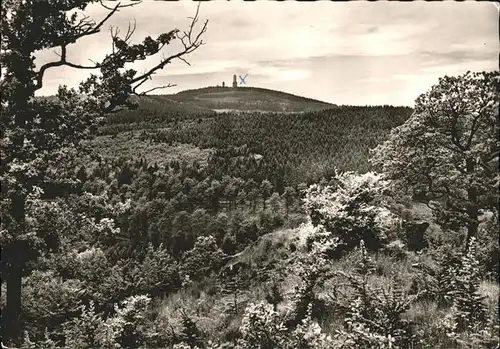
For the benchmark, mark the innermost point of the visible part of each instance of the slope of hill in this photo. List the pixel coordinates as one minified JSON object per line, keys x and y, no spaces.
{"x":206,"y":102}
{"x":248,"y":98}
{"x":293,"y":148}
{"x":296,"y":145}
{"x":157,"y":109}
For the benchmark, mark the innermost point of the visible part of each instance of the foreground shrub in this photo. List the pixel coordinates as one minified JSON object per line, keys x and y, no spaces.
{"x":309,"y":335}
{"x":435,"y":281}
{"x":262,"y":327}
{"x":468,"y":312}
{"x":205,"y":257}
{"x":190,"y":334}
{"x":304,"y":300}
{"x":488,"y":249}
{"x":48,"y":300}
{"x":89,"y":330}
{"x":129,"y":323}
{"x":375,"y":317}
{"x":158,"y":273}
{"x":349,"y":211}
{"x":126,"y":328}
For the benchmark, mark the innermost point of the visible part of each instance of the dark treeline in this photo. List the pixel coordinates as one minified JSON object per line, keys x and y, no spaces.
{"x":283,"y":148}
{"x":158,"y":109}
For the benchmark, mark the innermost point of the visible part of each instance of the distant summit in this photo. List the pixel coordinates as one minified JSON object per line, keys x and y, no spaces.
{"x":222,"y":98}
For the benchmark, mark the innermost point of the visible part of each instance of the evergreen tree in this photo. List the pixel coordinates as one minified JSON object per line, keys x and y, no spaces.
{"x":469,"y":311}
{"x":190,"y":333}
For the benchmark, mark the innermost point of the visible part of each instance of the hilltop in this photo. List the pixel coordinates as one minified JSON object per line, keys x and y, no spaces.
{"x":248,"y":99}
{"x":207,"y":101}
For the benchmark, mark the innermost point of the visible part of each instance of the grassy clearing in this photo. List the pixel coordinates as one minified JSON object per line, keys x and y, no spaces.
{"x":128,"y":144}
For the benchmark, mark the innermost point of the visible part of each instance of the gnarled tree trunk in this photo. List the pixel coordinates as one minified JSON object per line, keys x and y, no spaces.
{"x":472,"y":207}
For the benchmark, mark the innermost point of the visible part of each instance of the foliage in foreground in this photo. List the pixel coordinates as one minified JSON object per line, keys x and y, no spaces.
{"x":447,"y":153}
{"x":374,"y":317}
{"x":368,"y":315}
{"x":352,"y":209}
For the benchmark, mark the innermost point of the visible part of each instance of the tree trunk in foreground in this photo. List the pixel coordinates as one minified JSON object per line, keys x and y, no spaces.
{"x":472,"y":207}
{"x":11,"y":317}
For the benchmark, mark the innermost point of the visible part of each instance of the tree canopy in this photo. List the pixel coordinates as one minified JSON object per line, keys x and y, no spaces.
{"x":447,"y":152}
{"x":38,"y":133}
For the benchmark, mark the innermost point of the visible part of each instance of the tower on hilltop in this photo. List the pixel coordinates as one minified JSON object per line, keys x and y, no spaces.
{"x":235,"y":84}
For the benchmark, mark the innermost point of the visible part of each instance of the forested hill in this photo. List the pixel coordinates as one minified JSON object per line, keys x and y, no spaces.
{"x":299,"y":147}
{"x":206,"y":102}
{"x":246,"y":98}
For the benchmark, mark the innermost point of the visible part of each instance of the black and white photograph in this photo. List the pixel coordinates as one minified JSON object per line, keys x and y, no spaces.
{"x":249,"y":174}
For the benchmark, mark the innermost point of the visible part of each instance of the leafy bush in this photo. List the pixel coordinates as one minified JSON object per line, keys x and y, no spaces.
{"x":126,"y":328}
{"x":129,"y":322}
{"x":204,"y":258}
{"x":308,"y":335}
{"x":304,"y":298}
{"x":414,"y":237}
{"x":262,"y":327}
{"x":88,"y":331}
{"x":488,"y":249}
{"x":351,"y":210}
{"x":158,"y":273}
{"x":48,"y":300}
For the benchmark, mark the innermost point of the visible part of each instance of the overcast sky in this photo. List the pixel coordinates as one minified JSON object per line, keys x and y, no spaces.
{"x":345,"y":53}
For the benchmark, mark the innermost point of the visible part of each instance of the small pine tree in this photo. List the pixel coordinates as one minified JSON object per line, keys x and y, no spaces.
{"x":375,"y":317}
{"x":129,"y":322}
{"x":46,"y":343}
{"x":435,"y":282}
{"x":88,"y":331}
{"x":273,"y":295}
{"x":469,"y":311}
{"x":190,"y":333}
{"x":308,"y":335}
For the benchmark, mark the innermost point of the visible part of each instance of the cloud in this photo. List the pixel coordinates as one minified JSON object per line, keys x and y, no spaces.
{"x":349,"y":52}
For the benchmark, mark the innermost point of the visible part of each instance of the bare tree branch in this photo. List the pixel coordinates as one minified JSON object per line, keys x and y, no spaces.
{"x":187,"y":49}
{"x":130,"y":31}
{"x":157,"y":88}
{"x":188,"y":43}
{"x":134,"y":2}
{"x":96,"y":28}
{"x":185,"y":61}
{"x":87,"y":27}
{"x":134,"y":89}
{"x":61,"y":62}
{"x":190,"y":40}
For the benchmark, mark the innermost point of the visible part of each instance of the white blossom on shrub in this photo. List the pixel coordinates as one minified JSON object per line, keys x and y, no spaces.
{"x":128,"y":321}
{"x":262,"y":327}
{"x":352,"y":209}
{"x":309,"y":334}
